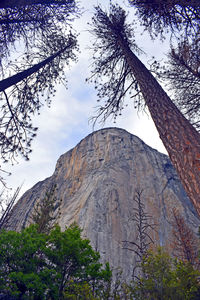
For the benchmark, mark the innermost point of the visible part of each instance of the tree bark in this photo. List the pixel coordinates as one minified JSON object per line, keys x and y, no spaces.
{"x":19,"y":3}
{"x":12,"y":80}
{"x":179,"y":137}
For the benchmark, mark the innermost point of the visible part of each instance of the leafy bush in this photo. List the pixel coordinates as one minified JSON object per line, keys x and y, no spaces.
{"x":166,"y":278}
{"x":35,"y":265}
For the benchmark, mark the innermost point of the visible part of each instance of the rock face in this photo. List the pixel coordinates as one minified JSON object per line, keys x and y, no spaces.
{"x":97,"y":181}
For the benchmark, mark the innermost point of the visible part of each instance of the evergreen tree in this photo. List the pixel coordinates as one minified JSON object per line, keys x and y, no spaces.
{"x":117,"y":70}
{"x":31,"y":20}
{"x":21,"y":94}
{"x":36,"y":43}
{"x":181,"y":20}
{"x":170,"y":16}
{"x":165,"y":278}
{"x":181,"y":73}
{"x":46,"y":211}
{"x":35,"y":265}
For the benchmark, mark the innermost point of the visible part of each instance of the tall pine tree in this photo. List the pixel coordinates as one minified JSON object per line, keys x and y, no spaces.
{"x":117,"y":70}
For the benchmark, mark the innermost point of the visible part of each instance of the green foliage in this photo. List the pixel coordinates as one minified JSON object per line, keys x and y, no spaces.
{"x":46,"y":211}
{"x":35,"y":265}
{"x":79,"y":291}
{"x":21,"y":262}
{"x":62,"y":265}
{"x":166,"y":278}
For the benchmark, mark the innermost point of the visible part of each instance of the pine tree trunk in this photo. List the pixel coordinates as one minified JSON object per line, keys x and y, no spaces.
{"x":180,"y":138}
{"x":12,"y":80}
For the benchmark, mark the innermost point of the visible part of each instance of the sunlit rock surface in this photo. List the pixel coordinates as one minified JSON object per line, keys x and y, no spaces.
{"x":97,"y":181}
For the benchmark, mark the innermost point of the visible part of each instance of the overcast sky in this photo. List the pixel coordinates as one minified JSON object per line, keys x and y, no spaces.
{"x":63,"y":125}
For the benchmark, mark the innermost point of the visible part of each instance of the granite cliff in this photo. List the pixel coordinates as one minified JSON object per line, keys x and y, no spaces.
{"x":97,"y":181}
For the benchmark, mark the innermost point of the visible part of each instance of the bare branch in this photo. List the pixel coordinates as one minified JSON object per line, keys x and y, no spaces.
{"x":6,"y":207}
{"x":145,"y":226}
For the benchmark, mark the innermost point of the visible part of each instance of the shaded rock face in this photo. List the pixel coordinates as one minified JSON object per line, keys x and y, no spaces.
{"x":97,"y":181}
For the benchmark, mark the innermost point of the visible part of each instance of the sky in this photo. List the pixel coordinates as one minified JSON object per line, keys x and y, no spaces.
{"x":63,"y":125}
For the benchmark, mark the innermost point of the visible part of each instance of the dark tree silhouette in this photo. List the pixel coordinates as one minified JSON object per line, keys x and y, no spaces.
{"x":35,"y":45}
{"x":114,"y":64}
{"x":144,"y":227}
{"x":33,"y":76}
{"x":6,"y":205}
{"x":20,"y":3}
{"x":29,"y":21}
{"x":169,"y":16}
{"x":182,"y":75}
